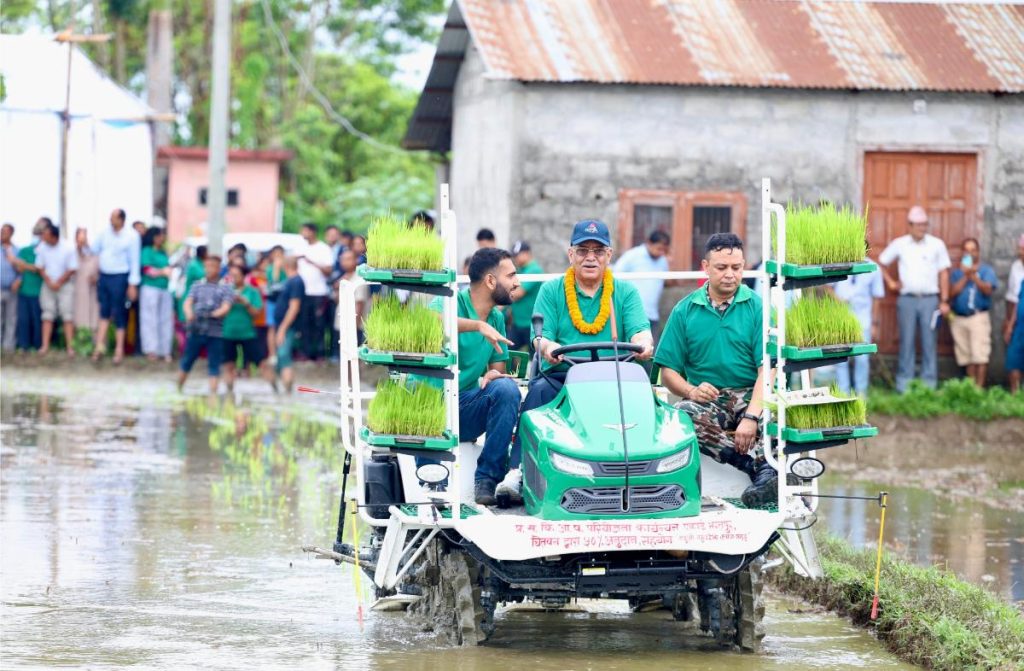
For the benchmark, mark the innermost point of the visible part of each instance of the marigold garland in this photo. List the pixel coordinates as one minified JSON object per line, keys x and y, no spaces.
{"x":572,"y":300}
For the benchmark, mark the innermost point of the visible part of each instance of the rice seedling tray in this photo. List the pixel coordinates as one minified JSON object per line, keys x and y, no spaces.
{"x":819,"y":435}
{"x":794,"y":353}
{"x":407,"y":277}
{"x":397,"y":441}
{"x":441,"y":359}
{"x":833,"y":270}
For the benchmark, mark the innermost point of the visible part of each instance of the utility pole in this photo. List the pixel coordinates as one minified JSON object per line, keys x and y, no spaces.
{"x":71,"y":39}
{"x":218,"y":150}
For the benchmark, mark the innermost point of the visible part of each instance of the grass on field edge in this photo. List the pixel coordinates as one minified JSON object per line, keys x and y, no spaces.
{"x":927,"y":616}
{"x":959,"y":397}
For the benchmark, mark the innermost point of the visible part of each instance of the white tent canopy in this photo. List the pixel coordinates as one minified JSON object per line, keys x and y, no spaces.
{"x":110,"y":149}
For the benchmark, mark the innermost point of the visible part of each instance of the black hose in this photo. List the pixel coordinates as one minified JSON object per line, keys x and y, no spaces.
{"x":342,"y":505}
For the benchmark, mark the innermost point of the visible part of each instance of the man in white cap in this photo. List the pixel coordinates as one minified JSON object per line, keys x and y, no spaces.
{"x":923,"y":287}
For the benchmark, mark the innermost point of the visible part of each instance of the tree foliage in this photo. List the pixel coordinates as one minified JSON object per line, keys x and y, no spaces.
{"x":348,"y":48}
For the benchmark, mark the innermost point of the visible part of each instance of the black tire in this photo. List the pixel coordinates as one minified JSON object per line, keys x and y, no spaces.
{"x":732,"y":609}
{"x":451,"y":604}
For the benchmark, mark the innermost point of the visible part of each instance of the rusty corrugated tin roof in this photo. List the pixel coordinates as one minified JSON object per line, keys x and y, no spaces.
{"x":846,"y":45}
{"x":823,"y":44}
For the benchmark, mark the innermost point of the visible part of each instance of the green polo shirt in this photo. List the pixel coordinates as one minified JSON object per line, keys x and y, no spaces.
{"x":628,"y":307}
{"x":194,"y":272}
{"x":705,"y":345}
{"x":475,"y":353}
{"x":522,"y":309}
{"x":154,"y":258}
{"x":238,"y":322}
{"x":31,"y":281}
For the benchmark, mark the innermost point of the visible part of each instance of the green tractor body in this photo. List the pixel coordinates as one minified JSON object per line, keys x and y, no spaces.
{"x":574,"y":464}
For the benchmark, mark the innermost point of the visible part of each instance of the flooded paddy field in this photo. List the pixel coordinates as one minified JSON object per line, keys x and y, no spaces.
{"x":143,"y":528}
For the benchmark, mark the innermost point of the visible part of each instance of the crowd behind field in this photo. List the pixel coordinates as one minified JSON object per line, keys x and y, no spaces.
{"x":257,"y":311}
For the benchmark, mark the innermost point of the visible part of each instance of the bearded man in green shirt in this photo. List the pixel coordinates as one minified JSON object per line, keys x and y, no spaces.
{"x":488,"y":397}
{"x":582,"y":306}
{"x":710,"y":354}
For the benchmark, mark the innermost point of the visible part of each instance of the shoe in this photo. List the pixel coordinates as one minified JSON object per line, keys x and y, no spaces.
{"x":764,"y":490}
{"x":483,"y":492}
{"x":510,"y":490}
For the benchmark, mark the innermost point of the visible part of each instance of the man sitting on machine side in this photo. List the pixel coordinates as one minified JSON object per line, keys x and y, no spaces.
{"x":710,"y":355}
{"x":488,"y":397}
{"x":582,"y":306}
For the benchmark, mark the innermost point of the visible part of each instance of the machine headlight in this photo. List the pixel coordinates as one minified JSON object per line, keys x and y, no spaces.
{"x":571,"y":466}
{"x":674,"y":462}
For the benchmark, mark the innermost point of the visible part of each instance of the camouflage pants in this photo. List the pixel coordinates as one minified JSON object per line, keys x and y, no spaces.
{"x":715,"y":423}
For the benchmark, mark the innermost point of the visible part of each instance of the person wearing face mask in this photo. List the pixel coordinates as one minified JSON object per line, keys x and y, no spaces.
{"x":971,"y":285}
{"x":582,"y":306}
{"x":711,"y":353}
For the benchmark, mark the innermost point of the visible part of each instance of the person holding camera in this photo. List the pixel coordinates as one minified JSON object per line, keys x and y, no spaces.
{"x":971,"y":287}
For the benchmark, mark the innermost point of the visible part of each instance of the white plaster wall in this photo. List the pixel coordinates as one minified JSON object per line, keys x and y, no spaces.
{"x":484,"y":140}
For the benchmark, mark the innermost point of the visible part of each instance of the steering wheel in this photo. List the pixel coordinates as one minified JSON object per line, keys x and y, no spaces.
{"x":627,"y":351}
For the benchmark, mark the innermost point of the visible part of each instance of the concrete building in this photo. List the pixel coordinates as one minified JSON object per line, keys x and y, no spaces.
{"x":252,"y":190}
{"x":667,"y":114}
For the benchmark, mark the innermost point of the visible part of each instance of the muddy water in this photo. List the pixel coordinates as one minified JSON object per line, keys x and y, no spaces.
{"x":139,"y":528}
{"x":979,"y":543}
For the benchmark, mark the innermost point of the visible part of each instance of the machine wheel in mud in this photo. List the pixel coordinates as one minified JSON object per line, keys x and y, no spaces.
{"x":732,"y":610}
{"x":452,"y":603}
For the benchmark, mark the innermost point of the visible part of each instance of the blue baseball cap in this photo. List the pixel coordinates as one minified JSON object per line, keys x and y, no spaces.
{"x":590,"y":229}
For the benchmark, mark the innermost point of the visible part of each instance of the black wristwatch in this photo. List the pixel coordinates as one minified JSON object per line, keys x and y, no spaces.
{"x":748,"y":415}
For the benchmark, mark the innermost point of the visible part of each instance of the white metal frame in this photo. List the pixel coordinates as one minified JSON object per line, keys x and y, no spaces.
{"x":408,"y":534}
{"x":797,"y":543}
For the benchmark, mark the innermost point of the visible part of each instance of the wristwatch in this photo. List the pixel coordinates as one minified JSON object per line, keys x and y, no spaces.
{"x":748,"y":415}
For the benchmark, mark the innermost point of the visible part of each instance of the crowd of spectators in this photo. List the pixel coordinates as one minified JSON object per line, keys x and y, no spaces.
{"x":259,"y":319}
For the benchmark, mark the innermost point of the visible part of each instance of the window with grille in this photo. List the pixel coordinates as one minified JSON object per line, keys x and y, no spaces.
{"x":232,"y":197}
{"x":690,"y":218}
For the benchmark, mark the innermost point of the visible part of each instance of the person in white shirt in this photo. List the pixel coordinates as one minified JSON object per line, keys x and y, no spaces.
{"x":652,"y":256}
{"x":119,"y":249}
{"x":316,"y":261}
{"x":57,"y":264}
{"x":923,"y":287}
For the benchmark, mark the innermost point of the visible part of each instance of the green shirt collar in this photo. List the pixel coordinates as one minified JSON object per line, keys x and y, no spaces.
{"x":744,"y":293}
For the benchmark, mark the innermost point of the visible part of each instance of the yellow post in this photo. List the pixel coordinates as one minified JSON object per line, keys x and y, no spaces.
{"x":884,"y":496}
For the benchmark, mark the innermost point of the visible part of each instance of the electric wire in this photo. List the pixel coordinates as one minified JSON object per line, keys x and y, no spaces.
{"x":320,"y":97}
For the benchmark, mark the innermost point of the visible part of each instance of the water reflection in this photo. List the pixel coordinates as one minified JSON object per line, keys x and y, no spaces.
{"x":980,"y":544}
{"x":168,"y":537}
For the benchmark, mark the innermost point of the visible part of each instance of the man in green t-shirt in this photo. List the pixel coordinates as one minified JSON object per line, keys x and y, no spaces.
{"x":239,"y":331}
{"x":488,"y":397}
{"x":710,"y":354}
{"x":521,"y":310}
{"x":28,"y":286}
{"x":580,"y":312}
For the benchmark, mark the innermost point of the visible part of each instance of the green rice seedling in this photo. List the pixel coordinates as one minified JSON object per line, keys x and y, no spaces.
{"x":825,"y":415}
{"x":415,"y":410}
{"x":822,"y":235}
{"x":815,"y":321}
{"x":393,"y":327}
{"x":393,"y":244}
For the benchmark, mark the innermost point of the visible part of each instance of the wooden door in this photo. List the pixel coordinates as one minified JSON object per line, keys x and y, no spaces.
{"x":946,"y":186}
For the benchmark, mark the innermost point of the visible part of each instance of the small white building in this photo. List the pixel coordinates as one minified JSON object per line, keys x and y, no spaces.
{"x":110,"y":146}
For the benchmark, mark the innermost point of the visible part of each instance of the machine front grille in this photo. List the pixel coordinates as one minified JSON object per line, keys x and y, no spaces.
{"x":608,"y":500}
{"x":534,"y":478}
{"x":618,"y":468}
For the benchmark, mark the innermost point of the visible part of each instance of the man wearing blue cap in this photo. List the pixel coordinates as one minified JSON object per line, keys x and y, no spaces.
{"x":582,"y":306}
